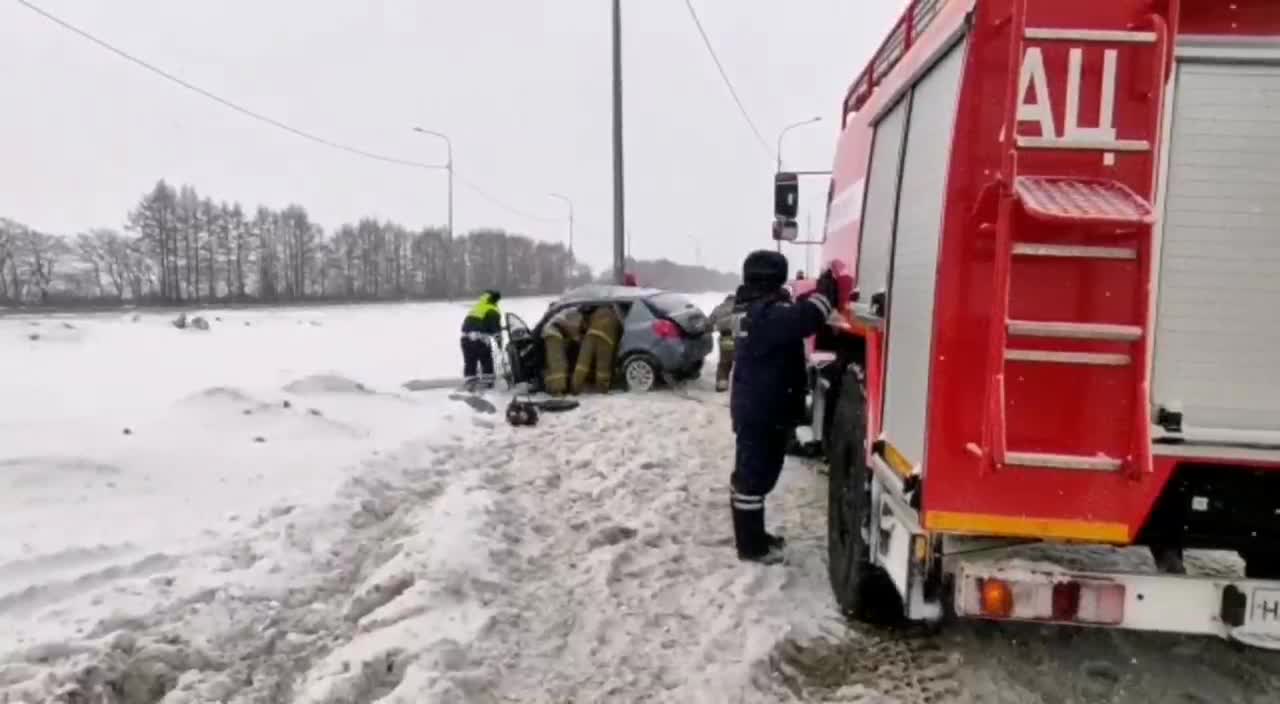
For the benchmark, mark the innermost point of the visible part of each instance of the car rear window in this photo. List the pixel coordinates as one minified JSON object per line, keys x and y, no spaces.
{"x":671,"y":303}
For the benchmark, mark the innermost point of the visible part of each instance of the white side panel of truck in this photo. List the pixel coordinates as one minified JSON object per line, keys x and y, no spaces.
{"x":1217,"y":337}
{"x":914,"y":269}
{"x":882,"y":202}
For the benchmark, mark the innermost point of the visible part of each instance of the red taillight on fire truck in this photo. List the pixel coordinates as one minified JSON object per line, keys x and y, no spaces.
{"x":666,"y":329}
{"x":1044,"y":598}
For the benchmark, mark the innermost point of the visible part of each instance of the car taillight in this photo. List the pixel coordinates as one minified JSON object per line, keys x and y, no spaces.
{"x":1038,"y":599}
{"x":666,"y":329}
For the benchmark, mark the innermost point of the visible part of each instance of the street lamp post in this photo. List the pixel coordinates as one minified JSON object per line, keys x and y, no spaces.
{"x":566,"y":201}
{"x":782,"y":134}
{"x":448,"y":247}
{"x":787,"y":129}
{"x":697,"y":249}
{"x":569,"y":262}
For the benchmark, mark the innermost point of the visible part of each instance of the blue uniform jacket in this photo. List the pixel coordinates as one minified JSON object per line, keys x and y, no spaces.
{"x":769,"y":376}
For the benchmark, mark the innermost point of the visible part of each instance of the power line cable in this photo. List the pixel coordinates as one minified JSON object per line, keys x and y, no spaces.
{"x":264,"y":118}
{"x":219,"y":99}
{"x":706,"y":41}
{"x":499,"y":202}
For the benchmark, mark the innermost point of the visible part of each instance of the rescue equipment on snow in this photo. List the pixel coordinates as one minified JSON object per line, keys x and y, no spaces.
{"x":522,"y":413}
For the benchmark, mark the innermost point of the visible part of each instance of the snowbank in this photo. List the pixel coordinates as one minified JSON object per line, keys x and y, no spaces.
{"x":517,"y":565}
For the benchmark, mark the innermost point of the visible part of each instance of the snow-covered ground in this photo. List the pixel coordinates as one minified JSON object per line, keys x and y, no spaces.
{"x":261,"y":513}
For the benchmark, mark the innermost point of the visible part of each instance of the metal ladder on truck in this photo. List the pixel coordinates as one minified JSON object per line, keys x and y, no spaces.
{"x":1089,"y":237}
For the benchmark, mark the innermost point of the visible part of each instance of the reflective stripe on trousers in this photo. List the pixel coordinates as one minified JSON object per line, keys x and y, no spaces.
{"x":746,"y":502}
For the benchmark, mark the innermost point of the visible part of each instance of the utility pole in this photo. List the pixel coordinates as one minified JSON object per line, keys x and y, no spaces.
{"x":448,"y":243}
{"x":619,"y":215}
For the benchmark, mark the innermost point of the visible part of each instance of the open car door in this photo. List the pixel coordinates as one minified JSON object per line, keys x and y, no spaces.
{"x":521,"y":352}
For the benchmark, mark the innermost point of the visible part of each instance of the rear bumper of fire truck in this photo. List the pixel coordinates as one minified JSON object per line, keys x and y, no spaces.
{"x":1239,"y":609}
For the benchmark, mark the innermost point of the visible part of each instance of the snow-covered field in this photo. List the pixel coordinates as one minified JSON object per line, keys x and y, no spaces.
{"x":261,"y":513}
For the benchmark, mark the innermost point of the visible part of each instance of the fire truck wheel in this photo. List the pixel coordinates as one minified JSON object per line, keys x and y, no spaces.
{"x":1261,"y":564}
{"x":862,"y":589}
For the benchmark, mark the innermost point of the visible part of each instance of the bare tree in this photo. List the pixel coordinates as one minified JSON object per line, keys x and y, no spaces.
{"x":41,"y":255}
{"x":155,"y":222}
{"x":89,"y":250}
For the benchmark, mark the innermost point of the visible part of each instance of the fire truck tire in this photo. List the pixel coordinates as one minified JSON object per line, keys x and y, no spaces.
{"x":862,"y":590}
{"x":1261,"y":564}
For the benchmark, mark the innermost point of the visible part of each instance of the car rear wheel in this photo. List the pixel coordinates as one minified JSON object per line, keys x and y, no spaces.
{"x":640,"y":373}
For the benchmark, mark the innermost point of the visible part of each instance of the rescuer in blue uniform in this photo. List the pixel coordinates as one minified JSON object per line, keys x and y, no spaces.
{"x":769,"y":389}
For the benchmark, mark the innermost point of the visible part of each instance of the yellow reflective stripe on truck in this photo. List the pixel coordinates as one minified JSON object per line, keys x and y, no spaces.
{"x":1025,"y":527}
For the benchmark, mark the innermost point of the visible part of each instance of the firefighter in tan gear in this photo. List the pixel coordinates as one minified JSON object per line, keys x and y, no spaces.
{"x":563,"y":329}
{"x":723,"y":320}
{"x":604,"y":328}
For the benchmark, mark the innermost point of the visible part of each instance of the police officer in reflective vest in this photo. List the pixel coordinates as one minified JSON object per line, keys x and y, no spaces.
{"x":769,"y":389}
{"x":481,"y":327}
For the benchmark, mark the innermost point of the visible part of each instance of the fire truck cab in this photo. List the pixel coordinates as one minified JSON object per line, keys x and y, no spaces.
{"x":1062,"y":220}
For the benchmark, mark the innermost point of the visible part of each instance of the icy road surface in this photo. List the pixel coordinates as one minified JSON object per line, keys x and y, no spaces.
{"x":260,"y":513}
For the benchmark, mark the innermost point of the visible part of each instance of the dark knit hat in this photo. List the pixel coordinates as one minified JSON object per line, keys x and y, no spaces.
{"x":764,"y":269}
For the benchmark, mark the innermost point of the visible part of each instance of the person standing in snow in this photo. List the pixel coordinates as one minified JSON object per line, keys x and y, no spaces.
{"x":769,"y":389}
{"x":563,"y":329}
{"x":724,"y":320}
{"x":480,"y":329}
{"x":598,"y":353}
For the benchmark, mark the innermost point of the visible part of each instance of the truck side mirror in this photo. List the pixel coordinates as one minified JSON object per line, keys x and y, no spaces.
{"x":786,"y":196}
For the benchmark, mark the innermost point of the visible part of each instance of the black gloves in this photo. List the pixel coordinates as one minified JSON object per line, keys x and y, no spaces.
{"x":829,"y":289}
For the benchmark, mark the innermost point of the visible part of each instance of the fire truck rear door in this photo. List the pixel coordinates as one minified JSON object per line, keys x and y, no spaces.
{"x":1217,"y":341}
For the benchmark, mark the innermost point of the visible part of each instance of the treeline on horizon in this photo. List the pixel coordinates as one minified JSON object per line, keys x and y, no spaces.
{"x":179,"y":248}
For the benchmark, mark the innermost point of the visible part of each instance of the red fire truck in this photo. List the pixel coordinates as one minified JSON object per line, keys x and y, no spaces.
{"x":1062,"y":220}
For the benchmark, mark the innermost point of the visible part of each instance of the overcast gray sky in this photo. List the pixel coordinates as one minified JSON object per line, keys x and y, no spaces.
{"x":522,"y":86}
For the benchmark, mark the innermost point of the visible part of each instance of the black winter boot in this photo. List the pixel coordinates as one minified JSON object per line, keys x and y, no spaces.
{"x":753,"y":543}
{"x":775,"y":542}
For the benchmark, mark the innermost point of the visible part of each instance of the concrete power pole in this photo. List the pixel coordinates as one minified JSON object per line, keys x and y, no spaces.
{"x":619,"y":215}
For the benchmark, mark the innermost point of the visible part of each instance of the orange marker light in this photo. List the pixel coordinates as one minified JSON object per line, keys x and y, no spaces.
{"x":997,"y":599}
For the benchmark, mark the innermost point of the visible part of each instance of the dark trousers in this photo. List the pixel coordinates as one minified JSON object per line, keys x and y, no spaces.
{"x":477,"y":358}
{"x":757,"y":465}
{"x":758,"y":461}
